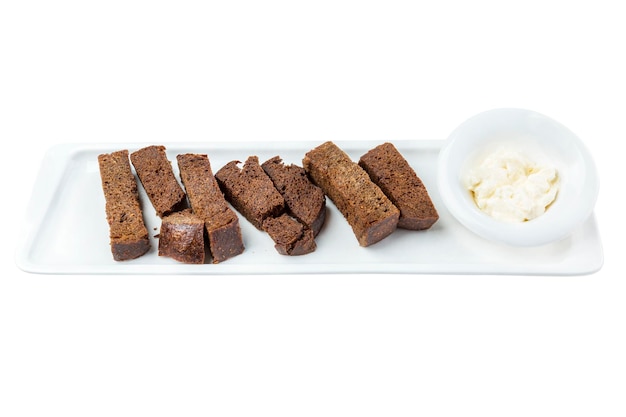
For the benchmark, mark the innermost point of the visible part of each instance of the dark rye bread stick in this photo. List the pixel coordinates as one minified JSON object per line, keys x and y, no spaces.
{"x":305,"y":201}
{"x":250,"y":191}
{"x":392,"y":173}
{"x":182,"y":237}
{"x":289,"y":235}
{"x":155,"y":173}
{"x":208,"y":203}
{"x":127,"y":231}
{"x":253,"y":194}
{"x":369,"y":212}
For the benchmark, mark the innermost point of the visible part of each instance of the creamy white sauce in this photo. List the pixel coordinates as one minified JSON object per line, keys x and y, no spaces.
{"x":511,"y":187}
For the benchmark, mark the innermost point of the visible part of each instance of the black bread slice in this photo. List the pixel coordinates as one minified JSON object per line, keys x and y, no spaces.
{"x":305,"y":201}
{"x":127,"y":231}
{"x":367,"y":209}
{"x":208,"y":203}
{"x":392,"y":173}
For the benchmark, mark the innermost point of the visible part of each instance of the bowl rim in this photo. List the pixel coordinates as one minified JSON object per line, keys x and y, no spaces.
{"x":560,"y":219}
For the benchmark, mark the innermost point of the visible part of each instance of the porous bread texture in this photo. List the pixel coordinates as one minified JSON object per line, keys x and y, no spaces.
{"x":208,"y":203}
{"x":157,"y":177}
{"x":304,"y":200}
{"x":127,"y":231}
{"x":289,"y":235}
{"x":367,"y":209}
{"x":182,"y":237}
{"x":388,"y":169}
{"x":250,"y":191}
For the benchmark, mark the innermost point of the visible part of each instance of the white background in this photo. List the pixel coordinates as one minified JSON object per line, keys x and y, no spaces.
{"x":159,"y":71}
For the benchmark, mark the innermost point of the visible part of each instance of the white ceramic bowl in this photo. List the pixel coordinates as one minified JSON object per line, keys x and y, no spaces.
{"x":542,"y":139}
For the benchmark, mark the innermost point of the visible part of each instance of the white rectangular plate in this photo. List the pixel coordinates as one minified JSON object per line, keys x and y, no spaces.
{"x":66,"y":232}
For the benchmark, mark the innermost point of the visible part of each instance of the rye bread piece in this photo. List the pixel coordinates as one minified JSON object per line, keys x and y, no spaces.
{"x":250,"y":191}
{"x":182,"y":237}
{"x":127,"y":231}
{"x":392,"y":173}
{"x":369,"y":212}
{"x":208,"y":203}
{"x":289,"y":235}
{"x":155,"y":173}
{"x":304,"y":200}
